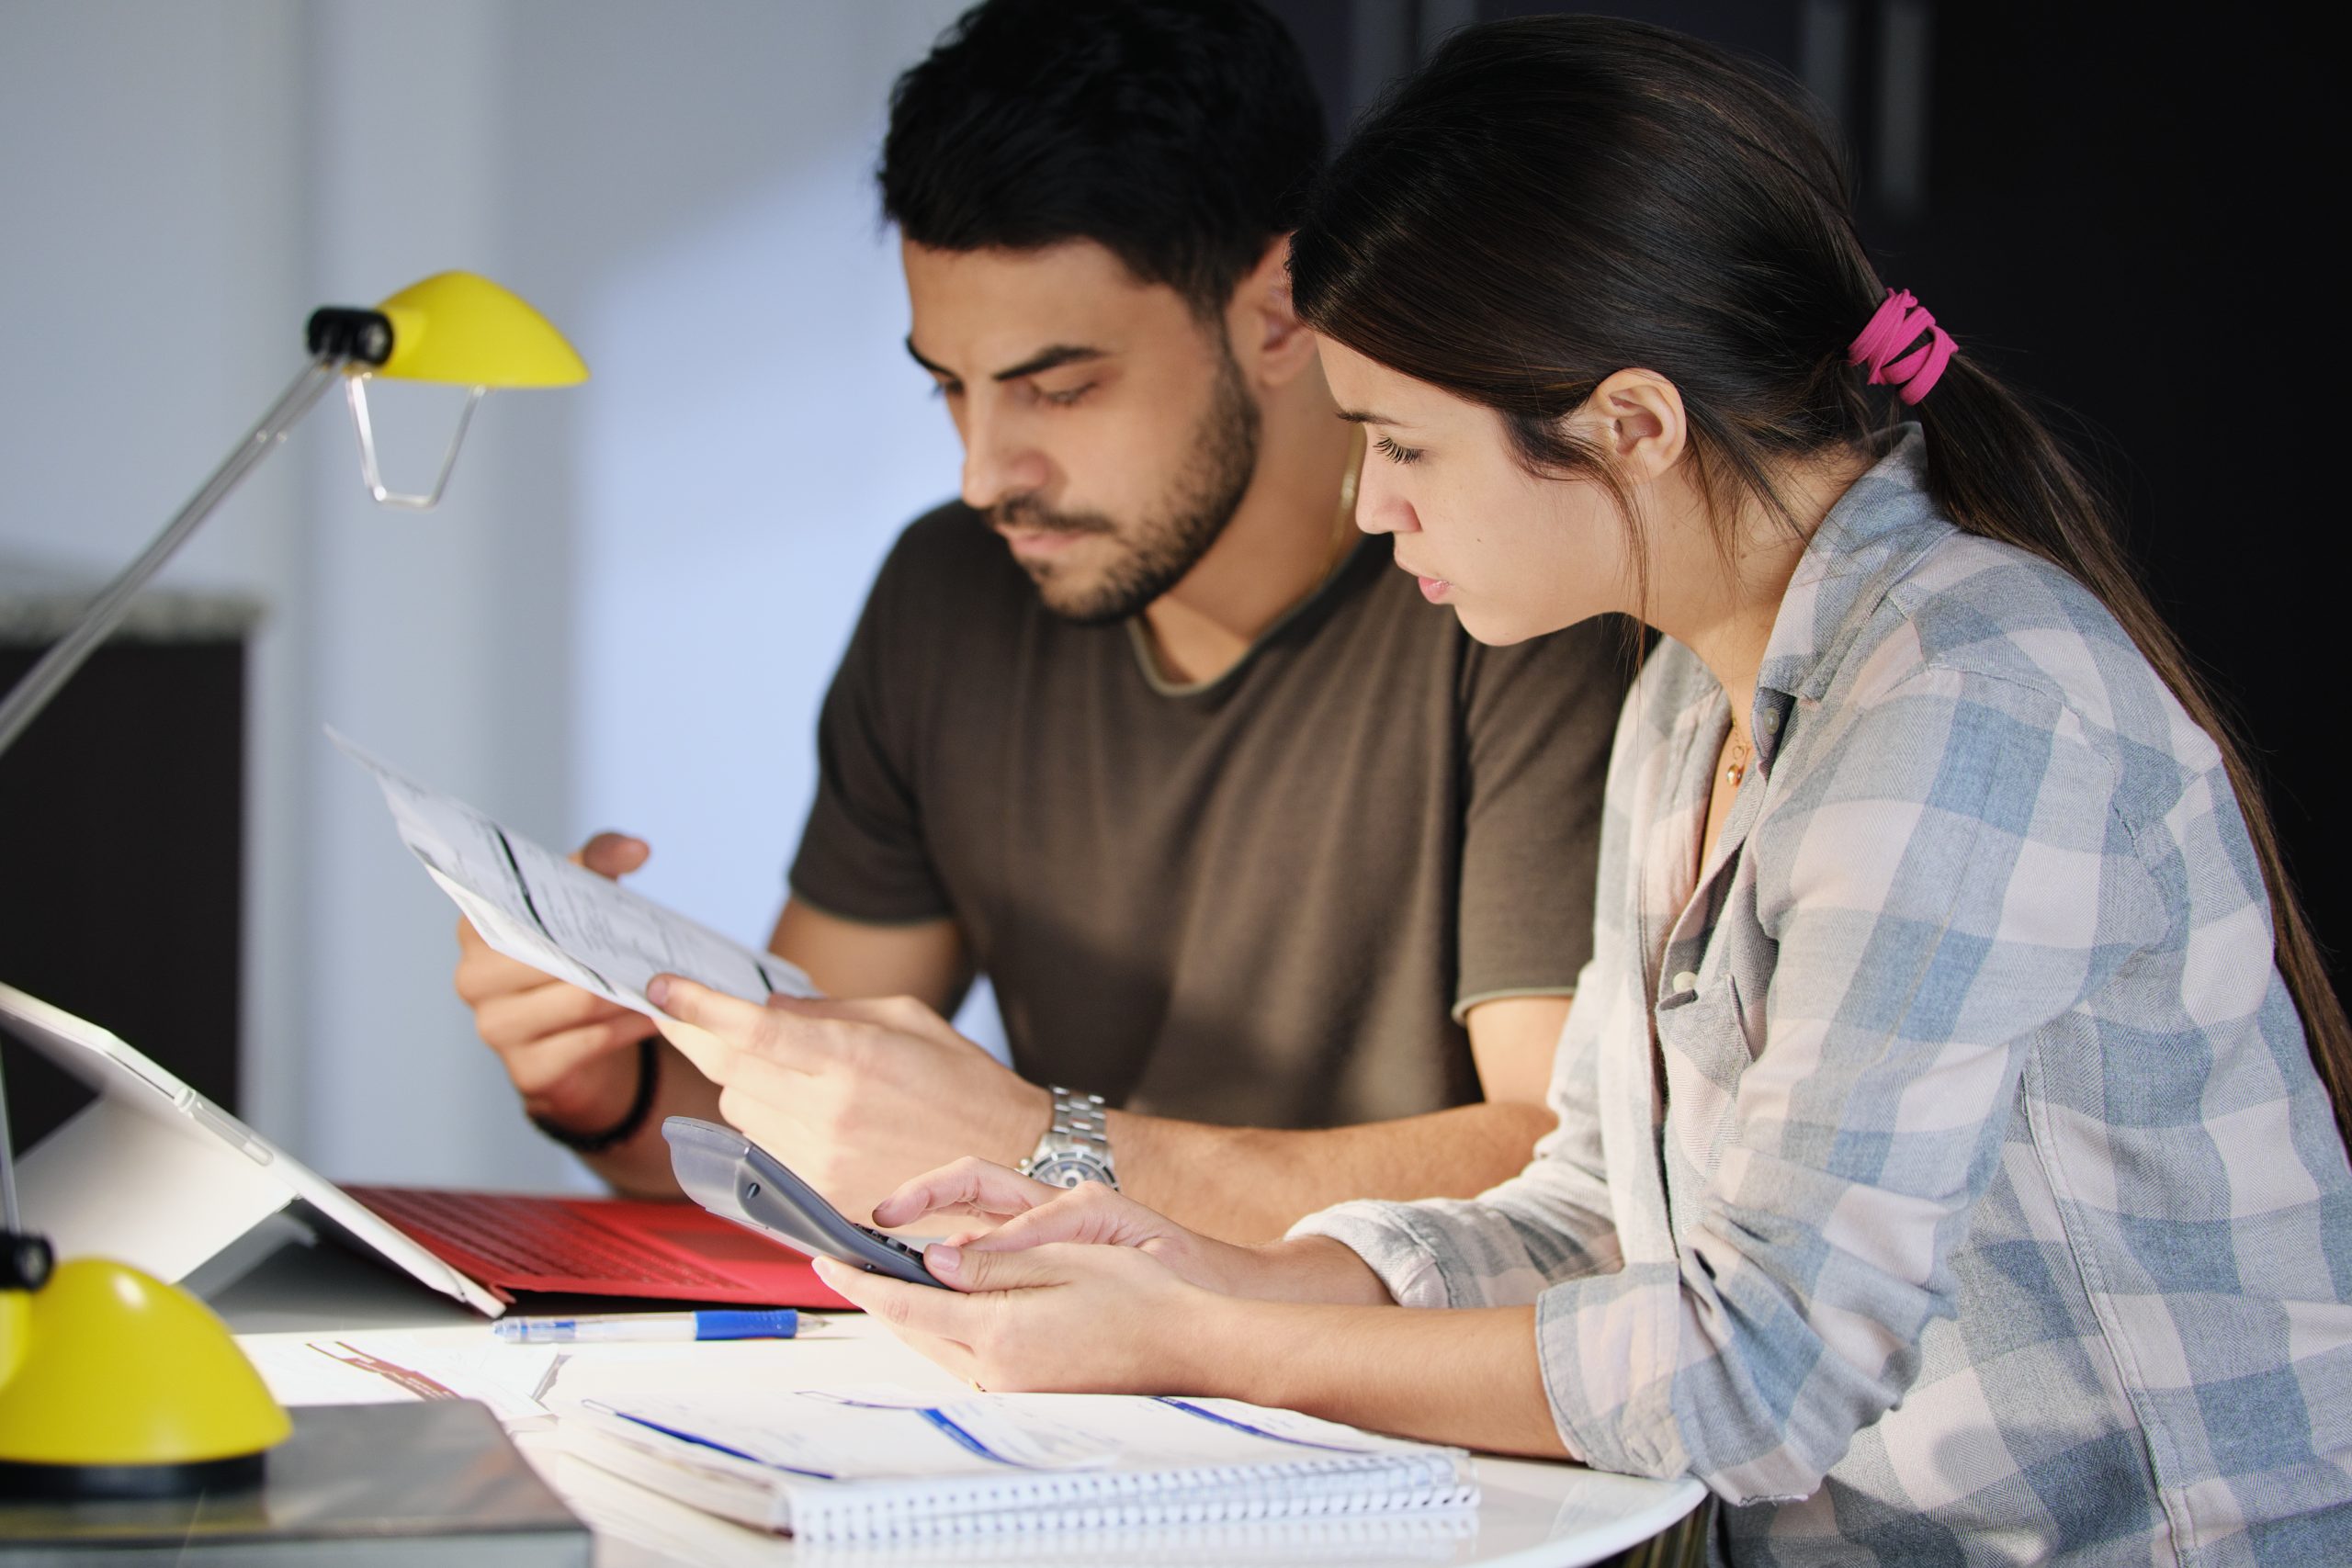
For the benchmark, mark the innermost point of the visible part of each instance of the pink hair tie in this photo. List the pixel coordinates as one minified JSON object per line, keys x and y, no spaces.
{"x":1894,"y":327}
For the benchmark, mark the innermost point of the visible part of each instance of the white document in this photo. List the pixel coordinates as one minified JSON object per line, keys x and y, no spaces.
{"x":387,"y":1367}
{"x":536,"y":906}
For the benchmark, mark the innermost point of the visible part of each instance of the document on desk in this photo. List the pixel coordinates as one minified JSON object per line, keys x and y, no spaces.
{"x":854,"y":1464}
{"x":386,"y":1367}
{"x":536,"y":906}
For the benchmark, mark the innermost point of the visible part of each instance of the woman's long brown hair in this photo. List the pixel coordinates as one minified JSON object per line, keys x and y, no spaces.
{"x":1553,"y":199}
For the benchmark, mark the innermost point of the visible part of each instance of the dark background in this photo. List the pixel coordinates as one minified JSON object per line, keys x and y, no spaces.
{"x":2113,"y":207}
{"x":120,"y":863}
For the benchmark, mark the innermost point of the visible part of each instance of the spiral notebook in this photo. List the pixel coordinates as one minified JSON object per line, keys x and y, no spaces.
{"x":863,"y":1465}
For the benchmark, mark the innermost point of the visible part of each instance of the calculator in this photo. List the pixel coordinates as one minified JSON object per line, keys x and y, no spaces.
{"x":737,"y":1179}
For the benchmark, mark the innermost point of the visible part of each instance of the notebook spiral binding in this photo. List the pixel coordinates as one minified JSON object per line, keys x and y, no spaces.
{"x":1361,"y":1541}
{"x":1307,"y":1489}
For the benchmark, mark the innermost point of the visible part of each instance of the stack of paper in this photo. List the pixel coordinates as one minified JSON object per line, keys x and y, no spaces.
{"x":841,"y":1465}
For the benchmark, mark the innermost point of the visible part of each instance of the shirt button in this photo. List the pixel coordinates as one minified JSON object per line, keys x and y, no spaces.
{"x":1686,"y":981}
{"x":1772,"y":719}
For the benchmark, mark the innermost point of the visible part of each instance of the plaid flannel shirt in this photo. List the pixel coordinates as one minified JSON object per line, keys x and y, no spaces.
{"x":1942,"y":1175}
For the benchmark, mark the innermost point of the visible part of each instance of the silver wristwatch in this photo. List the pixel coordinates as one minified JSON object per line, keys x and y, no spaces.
{"x":1077,"y":1146}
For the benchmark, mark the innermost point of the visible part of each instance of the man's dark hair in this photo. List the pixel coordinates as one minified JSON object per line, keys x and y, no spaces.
{"x":1181,"y":135}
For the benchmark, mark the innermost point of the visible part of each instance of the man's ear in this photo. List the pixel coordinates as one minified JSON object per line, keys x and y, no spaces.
{"x":1270,"y":343}
{"x":1636,"y":418}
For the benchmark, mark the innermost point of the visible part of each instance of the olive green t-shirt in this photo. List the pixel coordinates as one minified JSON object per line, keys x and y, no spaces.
{"x":1263,"y":901}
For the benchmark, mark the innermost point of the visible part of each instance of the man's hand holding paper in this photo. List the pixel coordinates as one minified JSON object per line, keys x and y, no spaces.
{"x":562,"y":965}
{"x":569,"y":1052}
{"x":853,"y":1095}
{"x":554,"y":959}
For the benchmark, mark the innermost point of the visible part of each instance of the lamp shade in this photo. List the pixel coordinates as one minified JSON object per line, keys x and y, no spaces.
{"x":457,"y":326}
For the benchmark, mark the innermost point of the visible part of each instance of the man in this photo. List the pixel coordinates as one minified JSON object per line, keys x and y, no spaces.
{"x":1252,"y":842}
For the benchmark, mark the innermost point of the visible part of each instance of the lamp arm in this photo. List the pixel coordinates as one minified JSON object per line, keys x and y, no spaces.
{"x":57,"y":666}
{"x":10,"y":1222}
{"x":25,"y":1259}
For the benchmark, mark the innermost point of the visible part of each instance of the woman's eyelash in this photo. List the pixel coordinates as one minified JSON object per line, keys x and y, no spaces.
{"x":1396,"y":454}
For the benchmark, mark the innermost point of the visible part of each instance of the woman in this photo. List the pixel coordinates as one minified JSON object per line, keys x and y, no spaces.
{"x":1942,"y":1170}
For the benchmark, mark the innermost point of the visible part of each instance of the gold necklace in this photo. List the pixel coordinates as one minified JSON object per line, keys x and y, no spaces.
{"x":1736,"y":755}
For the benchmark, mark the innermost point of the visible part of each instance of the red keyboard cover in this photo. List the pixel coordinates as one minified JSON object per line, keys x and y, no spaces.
{"x":600,"y":1247}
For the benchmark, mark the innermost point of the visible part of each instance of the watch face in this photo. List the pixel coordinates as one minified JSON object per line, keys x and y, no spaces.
{"x":1068,"y":1171}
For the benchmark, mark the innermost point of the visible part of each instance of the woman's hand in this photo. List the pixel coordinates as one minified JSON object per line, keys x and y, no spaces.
{"x":1081,"y":1290}
{"x":1061,"y":1318}
{"x":1019,"y":1214}
{"x":1086,"y":1291}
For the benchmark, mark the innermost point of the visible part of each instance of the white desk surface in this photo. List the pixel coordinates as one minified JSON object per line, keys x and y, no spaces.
{"x":1532,"y":1515}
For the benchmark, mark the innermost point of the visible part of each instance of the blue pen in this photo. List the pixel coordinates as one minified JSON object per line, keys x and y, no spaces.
{"x":648,"y":1327}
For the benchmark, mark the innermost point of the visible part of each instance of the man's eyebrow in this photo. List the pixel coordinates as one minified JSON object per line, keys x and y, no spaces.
{"x":1037,"y":364}
{"x":915,"y":354}
{"x":1047,"y":359}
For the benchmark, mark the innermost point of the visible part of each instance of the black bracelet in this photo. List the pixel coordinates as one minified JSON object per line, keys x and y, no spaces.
{"x":649,"y":1071}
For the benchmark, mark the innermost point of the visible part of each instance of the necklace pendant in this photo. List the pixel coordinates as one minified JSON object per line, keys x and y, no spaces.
{"x":1733,"y":773}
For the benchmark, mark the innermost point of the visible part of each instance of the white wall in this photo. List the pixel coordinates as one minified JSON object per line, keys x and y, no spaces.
{"x":154,"y":271}
{"x":626,"y":611}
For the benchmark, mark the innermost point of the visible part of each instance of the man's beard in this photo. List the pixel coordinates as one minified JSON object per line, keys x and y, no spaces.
{"x":1161,"y":549}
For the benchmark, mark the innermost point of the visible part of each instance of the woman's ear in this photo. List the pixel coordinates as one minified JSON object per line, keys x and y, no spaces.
{"x":1269,"y":341}
{"x":1636,"y":418}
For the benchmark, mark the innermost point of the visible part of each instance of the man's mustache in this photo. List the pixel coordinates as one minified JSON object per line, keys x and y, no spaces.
{"x":1027,"y":512}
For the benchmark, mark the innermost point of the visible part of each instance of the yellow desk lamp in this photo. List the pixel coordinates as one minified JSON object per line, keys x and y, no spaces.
{"x":113,"y":1382}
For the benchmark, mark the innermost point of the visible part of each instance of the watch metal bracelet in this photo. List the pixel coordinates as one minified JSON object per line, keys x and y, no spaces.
{"x":1077,"y":1145}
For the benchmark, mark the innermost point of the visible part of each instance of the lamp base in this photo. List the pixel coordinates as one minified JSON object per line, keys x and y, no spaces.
{"x":20,"y":1480}
{"x":116,"y":1384}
